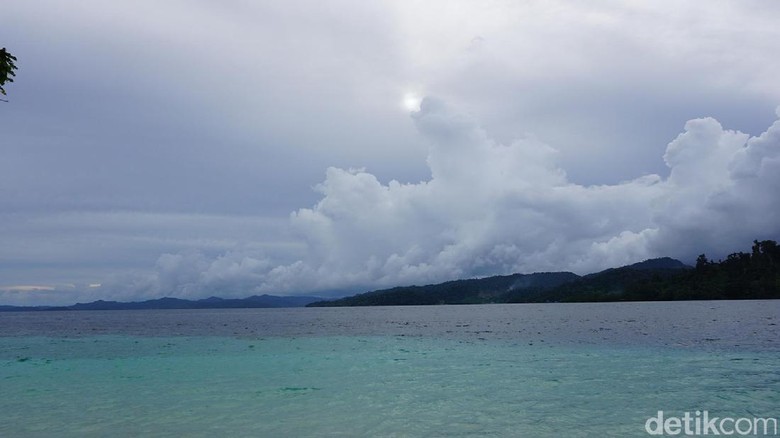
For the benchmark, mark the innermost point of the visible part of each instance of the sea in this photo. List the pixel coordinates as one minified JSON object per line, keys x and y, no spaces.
{"x":514,"y":370}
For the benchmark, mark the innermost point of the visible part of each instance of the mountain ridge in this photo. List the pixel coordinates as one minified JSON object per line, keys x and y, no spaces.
{"x":467,"y":291}
{"x":495,"y":289}
{"x":251,"y":302}
{"x":754,"y":275}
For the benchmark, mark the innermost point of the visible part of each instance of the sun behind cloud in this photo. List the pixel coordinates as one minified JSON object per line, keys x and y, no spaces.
{"x":411,"y":102}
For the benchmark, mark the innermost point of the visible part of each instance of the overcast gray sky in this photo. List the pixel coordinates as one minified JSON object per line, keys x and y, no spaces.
{"x":197,"y":148}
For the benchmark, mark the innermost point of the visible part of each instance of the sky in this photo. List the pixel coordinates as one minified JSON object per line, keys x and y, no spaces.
{"x":197,"y":148}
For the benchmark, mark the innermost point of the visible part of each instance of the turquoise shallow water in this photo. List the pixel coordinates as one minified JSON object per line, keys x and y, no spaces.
{"x":392,"y":384}
{"x":363,"y":386}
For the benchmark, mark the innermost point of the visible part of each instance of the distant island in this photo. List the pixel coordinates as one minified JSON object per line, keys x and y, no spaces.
{"x":253,"y":302}
{"x":753,"y":275}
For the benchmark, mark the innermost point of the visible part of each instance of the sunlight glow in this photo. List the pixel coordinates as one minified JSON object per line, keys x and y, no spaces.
{"x":411,"y":102}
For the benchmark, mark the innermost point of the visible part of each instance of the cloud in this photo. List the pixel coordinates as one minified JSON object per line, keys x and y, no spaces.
{"x":490,"y":208}
{"x":721,"y":192}
{"x":118,"y":133}
{"x":487,"y":208}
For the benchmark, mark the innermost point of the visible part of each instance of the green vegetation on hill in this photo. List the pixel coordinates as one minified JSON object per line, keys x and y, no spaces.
{"x":754,"y":275}
{"x":473,"y":291}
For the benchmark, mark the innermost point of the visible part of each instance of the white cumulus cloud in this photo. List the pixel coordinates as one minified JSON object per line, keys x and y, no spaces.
{"x":492,"y":208}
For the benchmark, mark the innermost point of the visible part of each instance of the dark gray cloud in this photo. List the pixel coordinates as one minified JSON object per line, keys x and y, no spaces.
{"x":158,"y":149}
